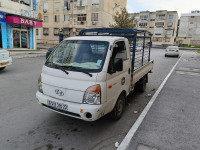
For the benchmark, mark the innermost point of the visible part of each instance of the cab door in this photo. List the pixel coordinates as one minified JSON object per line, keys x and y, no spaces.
{"x":119,"y":80}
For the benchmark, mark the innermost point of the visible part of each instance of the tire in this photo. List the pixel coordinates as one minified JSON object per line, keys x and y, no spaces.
{"x":119,"y":108}
{"x":140,"y":86}
{"x":2,"y":68}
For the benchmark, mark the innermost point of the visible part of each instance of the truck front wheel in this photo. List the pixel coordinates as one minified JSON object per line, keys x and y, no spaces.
{"x":2,"y":68}
{"x":119,"y":108}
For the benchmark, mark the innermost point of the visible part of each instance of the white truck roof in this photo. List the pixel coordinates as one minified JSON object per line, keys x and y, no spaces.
{"x":96,"y":38}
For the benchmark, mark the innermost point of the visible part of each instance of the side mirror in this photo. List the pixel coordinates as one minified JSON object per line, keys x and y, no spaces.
{"x":118,"y":64}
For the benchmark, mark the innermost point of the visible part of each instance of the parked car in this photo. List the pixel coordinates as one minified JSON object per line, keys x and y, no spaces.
{"x":5,"y":59}
{"x":172,"y":51}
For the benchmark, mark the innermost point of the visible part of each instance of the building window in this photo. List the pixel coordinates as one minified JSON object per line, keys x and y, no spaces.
{"x":57,"y":18}
{"x":67,"y":4}
{"x":157,"y":39}
{"x":152,"y":19}
{"x":81,"y":3}
{"x":94,"y":17}
{"x":161,"y":17}
{"x":95,"y":2}
{"x":46,"y":19}
{"x":159,"y":24}
{"x":66,"y":31}
{"x":142,"y":25}
{"x":37,"y":32}
{"x":56,"y":31}
{"x":81,"y":18}
{"x":192,"y":16}
{"x":66,"y":18}
{"x":169,"y":32}
{"x":191,"y":22}
{"x":158,"y":32}
{"x":144,"y":17}
{"x":170,"y":24}
{"x":171,"y":16}
{"x":167,"y":39}
{"x":56,"y":5}
{"x":26,"y":2}
{"x":45,"y":7}
{"x":45,"y":31}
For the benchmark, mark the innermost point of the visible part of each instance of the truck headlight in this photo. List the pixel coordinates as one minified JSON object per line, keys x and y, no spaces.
{"x":40,"y":84}
{"x":92,"y":95}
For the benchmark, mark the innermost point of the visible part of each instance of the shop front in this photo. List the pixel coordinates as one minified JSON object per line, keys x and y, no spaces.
{"x":2,"y":30}
{"x":20,"y":32}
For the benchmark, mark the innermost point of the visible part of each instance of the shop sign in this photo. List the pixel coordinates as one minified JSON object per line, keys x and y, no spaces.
{"x":23,"y":21}
{"x":28,"y":22}
{"x":34,"y":5}
{"x":2,"y":17}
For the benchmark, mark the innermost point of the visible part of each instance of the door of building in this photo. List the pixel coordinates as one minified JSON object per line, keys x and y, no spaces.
{"x":0,"y":37}
{"x":20,"y":38}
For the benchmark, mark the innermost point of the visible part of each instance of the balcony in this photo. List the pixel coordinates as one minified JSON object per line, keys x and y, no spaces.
{"x":81,"y":22}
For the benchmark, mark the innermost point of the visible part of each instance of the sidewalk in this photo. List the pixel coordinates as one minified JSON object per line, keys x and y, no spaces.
{"x":173,"y":121}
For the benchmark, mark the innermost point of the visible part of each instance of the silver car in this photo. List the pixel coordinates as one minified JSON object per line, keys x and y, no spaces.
{"x":172,"y":51}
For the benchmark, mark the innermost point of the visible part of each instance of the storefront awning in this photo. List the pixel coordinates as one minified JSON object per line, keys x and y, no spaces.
{"x":23,"y":21}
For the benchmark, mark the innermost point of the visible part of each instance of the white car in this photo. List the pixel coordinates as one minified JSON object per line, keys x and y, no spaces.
{"x":5,"y":59}
{"x":172,"y":51}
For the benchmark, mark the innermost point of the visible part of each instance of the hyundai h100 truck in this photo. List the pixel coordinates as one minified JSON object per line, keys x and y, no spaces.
{"x":91,"y":75}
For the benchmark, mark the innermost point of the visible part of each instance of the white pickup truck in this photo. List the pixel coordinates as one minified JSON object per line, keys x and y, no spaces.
{"x":91,"y":75}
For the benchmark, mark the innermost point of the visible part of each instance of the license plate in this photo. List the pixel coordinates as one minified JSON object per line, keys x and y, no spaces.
{"x":3,"y":64}
{"x":57,"y":105}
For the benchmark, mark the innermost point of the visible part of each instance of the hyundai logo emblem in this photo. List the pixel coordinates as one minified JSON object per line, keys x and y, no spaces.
{"x":59,"y":92}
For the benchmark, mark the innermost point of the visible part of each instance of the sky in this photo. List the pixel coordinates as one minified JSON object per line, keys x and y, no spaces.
{"x":181,"y":6}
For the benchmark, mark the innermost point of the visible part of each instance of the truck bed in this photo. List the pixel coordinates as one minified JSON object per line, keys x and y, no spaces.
{"x":142,"y":71}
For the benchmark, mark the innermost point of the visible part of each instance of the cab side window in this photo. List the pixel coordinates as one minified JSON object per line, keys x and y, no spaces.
{"x":122,"y":53}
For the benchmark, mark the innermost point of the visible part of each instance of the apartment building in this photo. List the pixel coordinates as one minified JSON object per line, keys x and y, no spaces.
{"x":189,"y":29}
{"x":162,"y":24}
{"x":18,"y":22}
{"x":70,"y":16}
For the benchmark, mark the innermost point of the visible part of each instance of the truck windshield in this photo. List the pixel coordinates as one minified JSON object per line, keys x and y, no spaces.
{"x":79,"y":55}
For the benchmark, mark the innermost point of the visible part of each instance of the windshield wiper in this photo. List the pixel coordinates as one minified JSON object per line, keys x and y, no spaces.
{"x":61,"y":68}
{"x":75,"y":69}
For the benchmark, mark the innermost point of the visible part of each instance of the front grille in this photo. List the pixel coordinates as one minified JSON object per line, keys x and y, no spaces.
{"x":62,"y":111}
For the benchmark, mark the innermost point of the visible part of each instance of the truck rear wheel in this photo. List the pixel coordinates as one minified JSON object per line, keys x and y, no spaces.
{"x":119,"y":108}
{"x":140,"y":86}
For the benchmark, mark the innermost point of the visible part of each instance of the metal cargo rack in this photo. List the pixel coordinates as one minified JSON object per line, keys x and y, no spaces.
{"x":139,"y":40}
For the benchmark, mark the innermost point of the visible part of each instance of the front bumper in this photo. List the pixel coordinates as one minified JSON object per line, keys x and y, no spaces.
{"x":75,"y":110}
{"x":9,"y":61}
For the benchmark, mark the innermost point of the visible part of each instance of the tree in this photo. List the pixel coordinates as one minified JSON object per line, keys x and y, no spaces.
{"x":123,"y":20}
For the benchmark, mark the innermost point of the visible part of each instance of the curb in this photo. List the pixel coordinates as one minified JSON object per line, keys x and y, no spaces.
{"x":28,"y":56}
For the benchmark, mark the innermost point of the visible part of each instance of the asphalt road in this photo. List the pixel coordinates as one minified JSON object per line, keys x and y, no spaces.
{"x":24,"y":124}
